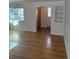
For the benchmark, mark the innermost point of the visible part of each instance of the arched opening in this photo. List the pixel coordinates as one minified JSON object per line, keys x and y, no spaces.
{"x":43,"y":19}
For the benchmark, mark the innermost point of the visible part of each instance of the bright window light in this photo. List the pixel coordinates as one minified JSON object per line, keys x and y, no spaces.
{"x":16,"y":15}
{"x":49,"y":12}
{"x":14,"y":22}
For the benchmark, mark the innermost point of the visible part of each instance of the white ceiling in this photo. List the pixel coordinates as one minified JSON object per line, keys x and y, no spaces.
{"x":33,"y":0}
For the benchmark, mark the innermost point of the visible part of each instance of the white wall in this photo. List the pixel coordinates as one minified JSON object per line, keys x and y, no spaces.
{"x":67,"y":28}
{"x":30,"y":16}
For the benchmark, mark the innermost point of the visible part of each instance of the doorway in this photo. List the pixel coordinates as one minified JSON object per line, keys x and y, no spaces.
{"x":43,"y":19}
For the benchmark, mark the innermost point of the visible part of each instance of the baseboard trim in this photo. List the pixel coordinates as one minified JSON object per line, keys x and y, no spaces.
{"x":58,"y":35}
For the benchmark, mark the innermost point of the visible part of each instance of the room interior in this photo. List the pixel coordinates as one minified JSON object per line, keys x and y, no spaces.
{"x":27,"y":40}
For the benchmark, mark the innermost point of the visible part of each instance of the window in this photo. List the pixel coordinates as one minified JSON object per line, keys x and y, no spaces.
{"x":16,"y":15}
{"x":49,"y":12}
{"x":59,"y":14}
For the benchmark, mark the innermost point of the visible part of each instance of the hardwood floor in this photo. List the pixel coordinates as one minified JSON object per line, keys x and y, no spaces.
{"x":29,"y":45}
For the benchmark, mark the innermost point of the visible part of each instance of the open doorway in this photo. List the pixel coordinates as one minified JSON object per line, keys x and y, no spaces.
{"x":43,"y":19}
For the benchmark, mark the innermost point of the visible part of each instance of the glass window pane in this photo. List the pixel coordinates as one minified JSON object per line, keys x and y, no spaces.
{"x":16,"y":15}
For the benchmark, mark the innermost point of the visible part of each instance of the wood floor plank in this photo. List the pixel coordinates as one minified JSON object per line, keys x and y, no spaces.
{"x":37,"y":45}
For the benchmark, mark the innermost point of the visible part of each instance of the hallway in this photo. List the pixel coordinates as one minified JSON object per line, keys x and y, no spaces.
{"x":31,"y":45}
{"x":44,"y":31}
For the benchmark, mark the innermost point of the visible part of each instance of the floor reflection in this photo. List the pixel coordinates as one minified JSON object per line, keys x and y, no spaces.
{"x":13,"y":45}
{"x":13,"y":40}
{"x":48,"y":42}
